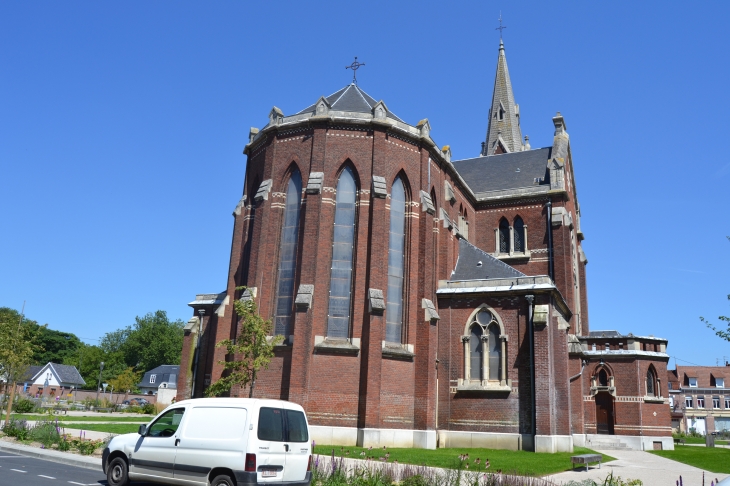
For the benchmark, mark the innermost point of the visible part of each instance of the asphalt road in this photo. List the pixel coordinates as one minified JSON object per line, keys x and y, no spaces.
{"x":20,"y":470}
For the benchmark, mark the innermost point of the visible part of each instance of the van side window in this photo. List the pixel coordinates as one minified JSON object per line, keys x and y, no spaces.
{"x":167,"y":424}
{"x":296,"y":426}
{"x":271,"y":424}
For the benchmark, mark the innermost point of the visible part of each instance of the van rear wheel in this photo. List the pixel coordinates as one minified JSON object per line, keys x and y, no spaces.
{"x":117,"y":473}
{"x":223,"y":480}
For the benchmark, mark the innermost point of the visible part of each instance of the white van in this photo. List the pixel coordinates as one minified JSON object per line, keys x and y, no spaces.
{"x":217,"y":442}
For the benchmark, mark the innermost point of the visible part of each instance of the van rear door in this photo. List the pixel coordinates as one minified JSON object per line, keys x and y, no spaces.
{"x":298,"y":453}
{"x":271,"y":449}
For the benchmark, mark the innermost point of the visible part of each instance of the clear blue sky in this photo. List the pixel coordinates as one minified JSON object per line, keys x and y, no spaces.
{"x":122,"y":126}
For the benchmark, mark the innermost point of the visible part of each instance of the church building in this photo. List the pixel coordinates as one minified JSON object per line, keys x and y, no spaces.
{"x":425,"y":301}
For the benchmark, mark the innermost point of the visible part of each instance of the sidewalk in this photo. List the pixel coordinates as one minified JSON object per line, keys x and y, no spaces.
{"x":649,"y":468}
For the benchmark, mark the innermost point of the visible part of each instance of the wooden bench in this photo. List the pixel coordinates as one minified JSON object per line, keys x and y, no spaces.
{"x":586,"y":459}
{"x":680,"y":441}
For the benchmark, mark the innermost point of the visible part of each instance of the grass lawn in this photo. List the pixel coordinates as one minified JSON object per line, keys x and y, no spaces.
{"x":142,"y":419}
{"x":519,"y":462}
{"x":701,"y":440}
{"x":708,"y":458}
{"x":110,"y":428}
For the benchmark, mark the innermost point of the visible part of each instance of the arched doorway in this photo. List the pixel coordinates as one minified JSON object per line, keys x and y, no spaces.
{"x":604,"y":413}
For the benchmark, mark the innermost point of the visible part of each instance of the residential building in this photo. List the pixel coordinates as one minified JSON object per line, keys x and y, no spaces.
{"x":164,"y":376}
{"x":700,"y":398}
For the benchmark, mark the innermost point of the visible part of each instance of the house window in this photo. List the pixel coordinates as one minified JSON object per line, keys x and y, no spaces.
{"x":700,"y":402}
{"x":693,"y":382}
{"x":338,"y":316}
{"x":669,"y":385}
{"x":727,"y":404}
{"x":153,"y":378}
{"x":715,"y":402}
{"x":519,"y":231}
{"x":720,"y":382}
{"x":688,"y":402}
{"x":484,"y":349}
{"x":504,"y":239}
{"x":396,"y":263}
{"x":288,"y":256}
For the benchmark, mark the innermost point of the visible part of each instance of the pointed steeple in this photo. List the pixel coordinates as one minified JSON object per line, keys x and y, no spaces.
{"x":503,"y":132}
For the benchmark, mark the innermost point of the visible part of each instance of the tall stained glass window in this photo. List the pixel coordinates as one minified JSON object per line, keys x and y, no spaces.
{"x":338,"y":317}
{"x":475,"y":353}
{"x":495,"y":351}
{"x":288,"y":256}
{"x":519,"y":235}
{"x":396,"y":263}
{"x":504,"y":238}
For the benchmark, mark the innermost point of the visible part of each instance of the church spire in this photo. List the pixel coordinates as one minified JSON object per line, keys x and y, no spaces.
{"x":503,"y":132}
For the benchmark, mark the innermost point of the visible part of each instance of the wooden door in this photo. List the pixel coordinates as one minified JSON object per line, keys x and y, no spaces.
{"x":604,"y":413}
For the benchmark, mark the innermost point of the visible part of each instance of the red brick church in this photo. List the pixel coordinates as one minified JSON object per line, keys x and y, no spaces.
{"x":424,"y":301}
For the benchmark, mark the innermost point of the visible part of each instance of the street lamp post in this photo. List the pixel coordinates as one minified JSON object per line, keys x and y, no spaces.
{"x":98,"y":385}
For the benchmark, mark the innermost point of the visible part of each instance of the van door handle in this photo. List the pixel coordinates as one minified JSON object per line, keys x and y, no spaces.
{"x":286,"y":447}
{"x":177,"y":441}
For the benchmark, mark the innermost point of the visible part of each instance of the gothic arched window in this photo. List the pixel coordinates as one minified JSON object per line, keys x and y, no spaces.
{"x":519,"y":229}
{"x":475,"y":353}
{"x":484,"y":349}
{"x":396,"y":263}
{"x":652,"y":388}
{"x":495,"y":349}
{"x":504,"y":239}
{"x":343,"y":241}
{"x":288,"y":256}
{"x":602,"y":378}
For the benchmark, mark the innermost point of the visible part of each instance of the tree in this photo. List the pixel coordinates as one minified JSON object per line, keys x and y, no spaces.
{"x":251,"y":351}
{"x":152,"y":341}
{"x":88,"y":359}
{"x":723,"y":334}
{"x":16,"y":352}
{"x":126,"y":380}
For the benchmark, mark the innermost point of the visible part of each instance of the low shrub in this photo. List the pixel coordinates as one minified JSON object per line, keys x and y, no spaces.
{"x":18,"y":429}
{"x":149,"y":408}
{"x":23,"y":405}
{"x":46,"y":433}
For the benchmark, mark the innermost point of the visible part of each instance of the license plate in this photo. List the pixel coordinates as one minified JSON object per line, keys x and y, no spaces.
{"x":268,"y":473}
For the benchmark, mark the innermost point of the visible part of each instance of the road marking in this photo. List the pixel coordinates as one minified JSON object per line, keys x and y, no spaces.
{"x":80,"y":484}
{"x":47,"y":477}
{"x":18,"y":470}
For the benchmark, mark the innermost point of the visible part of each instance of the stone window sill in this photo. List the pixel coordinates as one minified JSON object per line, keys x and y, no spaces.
{"x":324,"y":345}
{"x":649,"y":399}
{"x":514,"y":256}
{"x":398,"y":351}
{"x":484,"y":386}
{"x":597,"y":389}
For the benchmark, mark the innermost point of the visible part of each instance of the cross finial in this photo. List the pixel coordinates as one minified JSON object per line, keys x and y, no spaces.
{"x":355,"y":66}
{"x":501,"y":27}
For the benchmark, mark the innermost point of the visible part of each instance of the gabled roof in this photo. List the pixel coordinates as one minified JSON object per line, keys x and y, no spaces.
{"x":350,"y":98}
{"x":162,"y":373}
{"x":506,"y":171}
{"x":65,"y":373}
{"x":476,"y":264}
{"x":30,"y":373}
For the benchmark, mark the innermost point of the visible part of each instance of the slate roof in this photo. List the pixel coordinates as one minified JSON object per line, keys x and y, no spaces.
{"x":31,"y":373}
{"x":476,"y":264}
{"x":65,"y":373}
{"x":350,"y":98}
{"x":163,"y":373}
{"x":505,"y":171}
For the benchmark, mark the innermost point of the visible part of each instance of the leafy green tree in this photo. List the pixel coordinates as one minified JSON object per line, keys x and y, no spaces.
{"x":250,"y":352}
{"x":126,"y":381}
{"x":88,"y":360}
{"x":17,"y":345}
{"x":152,"y":341}
{"x":57,"y":345}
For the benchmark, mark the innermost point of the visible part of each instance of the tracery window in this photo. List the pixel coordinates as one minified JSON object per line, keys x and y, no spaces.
{"x":396,"y":263}
{"x":519,"y":231}
{"x":651,"y":383}
{"x":504,"y":239}
{"x":340,"y":296}
{"x":288,"y":256}
{"x":484,"y":350}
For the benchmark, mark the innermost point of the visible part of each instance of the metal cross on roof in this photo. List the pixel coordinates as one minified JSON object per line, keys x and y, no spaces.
{"x":501,"y":27}
{"x":355,"y":66}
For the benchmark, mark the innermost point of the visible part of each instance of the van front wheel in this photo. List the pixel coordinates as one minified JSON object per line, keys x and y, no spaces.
{"x":222,"y":480}
{"x":117,"y":473}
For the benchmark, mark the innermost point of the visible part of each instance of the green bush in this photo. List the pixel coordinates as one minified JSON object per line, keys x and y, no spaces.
{"x":23,"y":405}
{"x":17,"y":428}
{"x":46,"y":433}
{"x":148,"y":408}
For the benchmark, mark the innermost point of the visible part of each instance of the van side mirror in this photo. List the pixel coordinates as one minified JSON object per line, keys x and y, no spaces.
{"x":142,"y":430}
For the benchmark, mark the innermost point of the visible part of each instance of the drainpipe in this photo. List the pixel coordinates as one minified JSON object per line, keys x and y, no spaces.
{"x":531,"y":344}
{"x":550,"y":239}
{"x":581,"y":372}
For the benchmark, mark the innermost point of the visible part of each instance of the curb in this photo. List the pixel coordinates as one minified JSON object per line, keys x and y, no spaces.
{"x":53,"y":456}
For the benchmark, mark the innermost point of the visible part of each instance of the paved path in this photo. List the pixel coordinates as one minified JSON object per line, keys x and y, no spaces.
{"x":651,"y":469}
